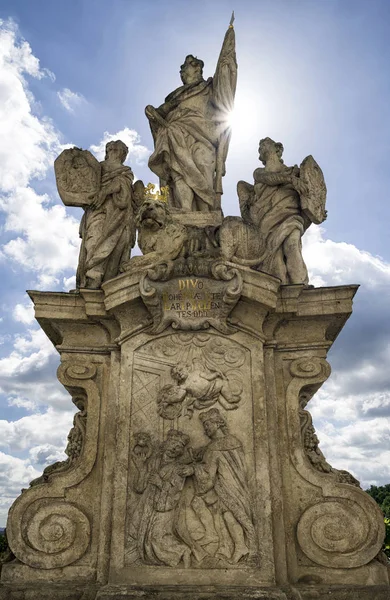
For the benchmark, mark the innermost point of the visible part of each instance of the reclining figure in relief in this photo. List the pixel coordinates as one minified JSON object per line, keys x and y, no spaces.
{"x":275,"y":213}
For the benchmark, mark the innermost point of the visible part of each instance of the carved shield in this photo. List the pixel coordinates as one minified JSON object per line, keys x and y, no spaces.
{"x":78,"y":176}
{"x":313,"y":202}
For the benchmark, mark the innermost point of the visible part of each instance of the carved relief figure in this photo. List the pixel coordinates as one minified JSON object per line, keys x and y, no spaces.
{"x":155,"y":536}
{"x":222,"y":489}
{"x":198,"y":388}
{"x":191,"y":133}
{"x":276,"y":211}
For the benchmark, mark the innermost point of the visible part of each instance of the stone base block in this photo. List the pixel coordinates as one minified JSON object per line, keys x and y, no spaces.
{"x":48,"y":591}
{"x":113,"y":592}
{"x":197,"y":219}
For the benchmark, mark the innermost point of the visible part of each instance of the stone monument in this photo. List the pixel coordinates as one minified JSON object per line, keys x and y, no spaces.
{"x":193,"y":468}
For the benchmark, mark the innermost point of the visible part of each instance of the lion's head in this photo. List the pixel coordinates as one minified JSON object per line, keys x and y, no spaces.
{"x":153,"y":215}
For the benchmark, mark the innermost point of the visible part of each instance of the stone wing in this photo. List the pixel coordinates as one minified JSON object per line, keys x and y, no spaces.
{"x":313,"y":202}
{"x":78,"y":176}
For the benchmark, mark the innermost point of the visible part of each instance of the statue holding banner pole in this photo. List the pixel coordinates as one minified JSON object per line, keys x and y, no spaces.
{"x":191,"y":132}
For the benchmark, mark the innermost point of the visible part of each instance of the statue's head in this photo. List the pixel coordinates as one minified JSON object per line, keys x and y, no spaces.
{"x":116,"y":150}
{"x":267,"y":147}
{"x":153,"y":215}
{"x":191,"y":71}
{"x":179,"y":373}
{"x":175,"y":443}
{"x":212,"y":420}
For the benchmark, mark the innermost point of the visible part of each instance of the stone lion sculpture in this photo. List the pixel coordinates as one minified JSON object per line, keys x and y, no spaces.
{"x":159,"y":237}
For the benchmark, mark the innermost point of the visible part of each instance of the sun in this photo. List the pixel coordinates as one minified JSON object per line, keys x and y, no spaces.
{"x":243,"y":118}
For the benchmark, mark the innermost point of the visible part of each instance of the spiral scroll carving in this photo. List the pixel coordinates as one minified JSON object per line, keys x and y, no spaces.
{"x":337,"y":533}
{"x":308,"y":368}
{"x":81,"y":371}
{"x":59,"y":533}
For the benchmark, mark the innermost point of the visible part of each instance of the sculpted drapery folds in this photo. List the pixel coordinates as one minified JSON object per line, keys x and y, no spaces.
{"x":107,"y":229}
{"x":153,"y":531}
{"x":222,"y":487}
{"x":191,"y":132}
{"x":195,"y":504}
{"x":276,"y":211}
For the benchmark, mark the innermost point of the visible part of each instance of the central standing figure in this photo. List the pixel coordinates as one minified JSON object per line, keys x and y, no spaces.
{"x":191,"y":132}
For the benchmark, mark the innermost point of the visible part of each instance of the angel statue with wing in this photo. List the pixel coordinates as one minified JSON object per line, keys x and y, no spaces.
{"x":275,"y":212}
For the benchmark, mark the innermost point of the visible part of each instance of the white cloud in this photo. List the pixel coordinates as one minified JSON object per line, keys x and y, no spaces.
{"x":27,"y":374}
{"x":15,"y":474}
{"x":46,"y":238}
{"x":70,"y":100}
{"x":69,"y":283}
{"x":46,"y":454}
{"x":352,"y":409}
{"x":50,"y":427}
{"x":131,"y":138}
{"x":32,"y":141}
{"x":24,"y":313}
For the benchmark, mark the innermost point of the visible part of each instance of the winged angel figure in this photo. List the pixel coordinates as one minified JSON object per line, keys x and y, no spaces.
{"x":275,"y":212}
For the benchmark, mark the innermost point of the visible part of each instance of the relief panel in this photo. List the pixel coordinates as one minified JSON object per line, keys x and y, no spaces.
{"x":191,"y":477}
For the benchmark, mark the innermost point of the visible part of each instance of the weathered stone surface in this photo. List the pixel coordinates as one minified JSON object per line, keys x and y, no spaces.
{"x":191,"y":132}
{"x":178,"y":592}
{"x":197,"y":442}
{"x":110,"y":200}
{"x":193,"y":467}
{"x":275,"y":211}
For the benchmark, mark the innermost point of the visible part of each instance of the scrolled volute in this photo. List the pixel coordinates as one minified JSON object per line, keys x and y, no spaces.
{"x":340,"y":533}
{"x":56,"y":534}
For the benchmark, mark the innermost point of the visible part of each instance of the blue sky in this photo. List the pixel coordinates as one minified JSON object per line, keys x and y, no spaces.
{"x":312,"y":74}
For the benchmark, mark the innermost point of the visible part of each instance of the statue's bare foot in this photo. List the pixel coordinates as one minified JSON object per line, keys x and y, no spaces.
{"x":187,"y":558}
{"x":238,"y":554}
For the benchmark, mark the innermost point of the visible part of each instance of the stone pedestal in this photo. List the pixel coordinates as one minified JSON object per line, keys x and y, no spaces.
{"x":88,"y":528}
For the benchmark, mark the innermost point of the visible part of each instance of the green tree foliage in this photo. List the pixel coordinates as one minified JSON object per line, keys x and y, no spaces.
{"x":386,"y":548}
{"x":381,"y":495}
{"x":3,"y":543}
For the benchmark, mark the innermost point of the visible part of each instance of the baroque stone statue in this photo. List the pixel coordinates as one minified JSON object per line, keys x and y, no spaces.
{"x":193,"y":468}
{"x":276,"y":211}
{"x":191,"y":133}
{"x":110,"y":200}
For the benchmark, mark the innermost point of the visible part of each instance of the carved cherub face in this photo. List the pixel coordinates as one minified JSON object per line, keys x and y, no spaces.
{"x":79,"y":162}
{"x":191,"y":70}
{"x":142,"y":439}
{"x":179,"y":373}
